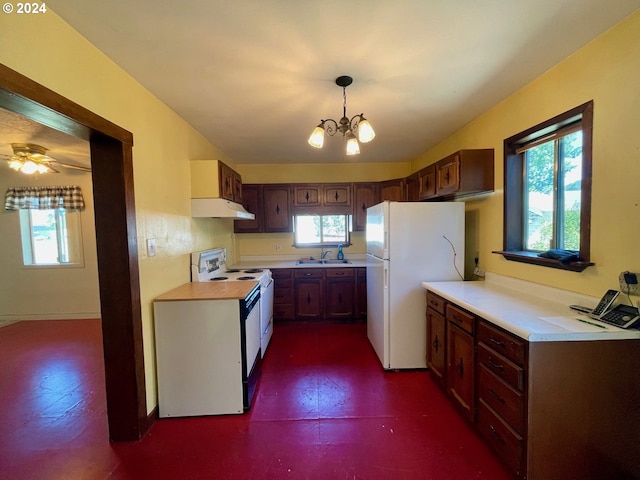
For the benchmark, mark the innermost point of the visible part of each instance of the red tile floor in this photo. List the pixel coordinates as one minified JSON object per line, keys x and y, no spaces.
{"x":324,"y":409}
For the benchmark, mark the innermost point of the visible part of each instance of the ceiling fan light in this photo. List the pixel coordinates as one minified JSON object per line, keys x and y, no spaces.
{"x":15,"y":164}
{"x":365,"y":131}
{"x":317,"y":136}
{"x":352,"y":145}
{"x":42,"y":168}
{"x":29,"y":167}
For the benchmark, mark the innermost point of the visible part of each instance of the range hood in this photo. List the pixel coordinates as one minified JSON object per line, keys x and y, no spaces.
{"x":218,"y":208}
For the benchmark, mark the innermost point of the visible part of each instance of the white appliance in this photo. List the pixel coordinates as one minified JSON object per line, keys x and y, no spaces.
{"x":211,"y":265}
{"x":408,"y":243}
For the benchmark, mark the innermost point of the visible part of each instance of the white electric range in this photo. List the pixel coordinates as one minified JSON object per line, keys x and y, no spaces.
{"x":211,"y":266}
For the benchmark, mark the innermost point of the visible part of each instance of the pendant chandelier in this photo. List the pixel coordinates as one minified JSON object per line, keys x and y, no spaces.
{"x":349,"y":128}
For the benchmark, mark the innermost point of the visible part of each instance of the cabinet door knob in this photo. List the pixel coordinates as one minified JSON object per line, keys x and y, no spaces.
{"x":497,"y":366}
{"x":277,"y":209}
{"x":460,"y":367}
{"x":436,"y":344}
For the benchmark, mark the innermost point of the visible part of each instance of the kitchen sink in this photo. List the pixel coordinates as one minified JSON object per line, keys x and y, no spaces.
{"x":313,"y":261}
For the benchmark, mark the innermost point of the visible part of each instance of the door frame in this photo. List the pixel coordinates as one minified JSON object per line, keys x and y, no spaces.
{"x":116,"y":242}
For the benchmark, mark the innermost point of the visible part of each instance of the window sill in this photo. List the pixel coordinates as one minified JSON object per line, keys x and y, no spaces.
{"x":321,"y":245}
{"x":533,"y":259}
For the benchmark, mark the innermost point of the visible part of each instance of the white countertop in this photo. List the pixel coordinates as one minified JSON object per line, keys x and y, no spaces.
{"x":534,"y":312}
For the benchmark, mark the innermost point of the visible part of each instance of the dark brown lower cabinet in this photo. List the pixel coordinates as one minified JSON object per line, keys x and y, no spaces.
{"x":361,"y":293}
{"x":550,"y":410}
{"x":340,"y":289}
{"x":308,"y":285}
{"x":332,"y":293}
{"x":283,"y":300}
{"x":436,"y":346}
{"x":460,"y":369}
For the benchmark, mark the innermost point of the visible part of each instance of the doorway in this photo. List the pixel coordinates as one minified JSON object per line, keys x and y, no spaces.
{"x":111,"y":162}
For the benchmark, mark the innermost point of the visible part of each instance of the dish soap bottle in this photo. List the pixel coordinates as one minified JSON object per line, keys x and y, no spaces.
{"x":340,"y":255}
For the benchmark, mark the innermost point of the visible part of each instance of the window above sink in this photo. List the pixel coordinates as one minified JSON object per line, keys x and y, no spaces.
{"x":312,"y":230}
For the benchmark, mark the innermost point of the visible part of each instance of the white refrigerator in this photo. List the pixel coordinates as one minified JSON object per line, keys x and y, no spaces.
{"x":408,"y":243}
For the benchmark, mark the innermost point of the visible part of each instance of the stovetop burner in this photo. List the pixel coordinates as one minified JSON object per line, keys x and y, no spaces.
{"x":219,"y":278}
{"x":232,"y":270}
{"x":246,"y":278}
{"x":253,"y":270}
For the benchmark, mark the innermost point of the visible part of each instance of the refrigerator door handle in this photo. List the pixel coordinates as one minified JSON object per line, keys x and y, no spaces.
{"x":386,"y":277}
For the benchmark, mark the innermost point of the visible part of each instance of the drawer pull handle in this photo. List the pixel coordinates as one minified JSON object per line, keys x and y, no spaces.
{"x":496,"y":396}
{"x":496,"y":434}
{"x":457,"y":319}
{"x":499,"y":366}
{"x":307,"y":274}
{"x":496,"y":342}
{"x":339,"y":273}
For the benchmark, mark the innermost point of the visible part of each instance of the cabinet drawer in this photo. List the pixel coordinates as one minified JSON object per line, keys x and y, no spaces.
{"x":460,"y":318}
{"x":283,"y":312}
{"x":508,"y":445}
{"x":505,"y":400}
{"x":504,"y":343}
{"x":436,"y":302}
{"x":308,"y":273}
{"x":282,"y":282}
{"x":282,"y":295}
{"x":339,"y":273}
{"x":281,"y":274}
{"x":503,"y":368}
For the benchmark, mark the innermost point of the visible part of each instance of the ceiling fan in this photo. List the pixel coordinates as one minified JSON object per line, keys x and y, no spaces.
{"x":30,"y":158}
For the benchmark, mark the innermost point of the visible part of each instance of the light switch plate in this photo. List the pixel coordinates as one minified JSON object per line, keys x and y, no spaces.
{"x":151,"y":247}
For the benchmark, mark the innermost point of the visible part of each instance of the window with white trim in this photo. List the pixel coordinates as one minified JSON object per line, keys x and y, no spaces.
{"x":51,"y":237}
{"x":321,"y":230}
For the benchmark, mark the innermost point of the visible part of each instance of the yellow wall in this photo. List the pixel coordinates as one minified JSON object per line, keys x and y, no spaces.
{"x":60,"y":59}
{"x":607,"y":71}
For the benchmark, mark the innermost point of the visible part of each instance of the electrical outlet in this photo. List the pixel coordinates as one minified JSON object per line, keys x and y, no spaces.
{"x":277,"y":246}
{"x":478,"y":272}
{"x":629,"y":282}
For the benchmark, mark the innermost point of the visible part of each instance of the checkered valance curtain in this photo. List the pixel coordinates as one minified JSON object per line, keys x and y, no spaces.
{"x":44,"y":198}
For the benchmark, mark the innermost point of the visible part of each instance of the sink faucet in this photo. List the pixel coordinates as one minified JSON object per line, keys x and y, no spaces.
{"x":324,"y":253}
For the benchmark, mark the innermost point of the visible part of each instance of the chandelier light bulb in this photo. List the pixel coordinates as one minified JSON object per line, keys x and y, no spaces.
{"x":352,"y":145}
{"x":365,"y":131}
{"x":317,"y":136}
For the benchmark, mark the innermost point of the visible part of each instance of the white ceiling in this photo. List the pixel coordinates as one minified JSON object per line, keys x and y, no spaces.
{"x":255,"y":76}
